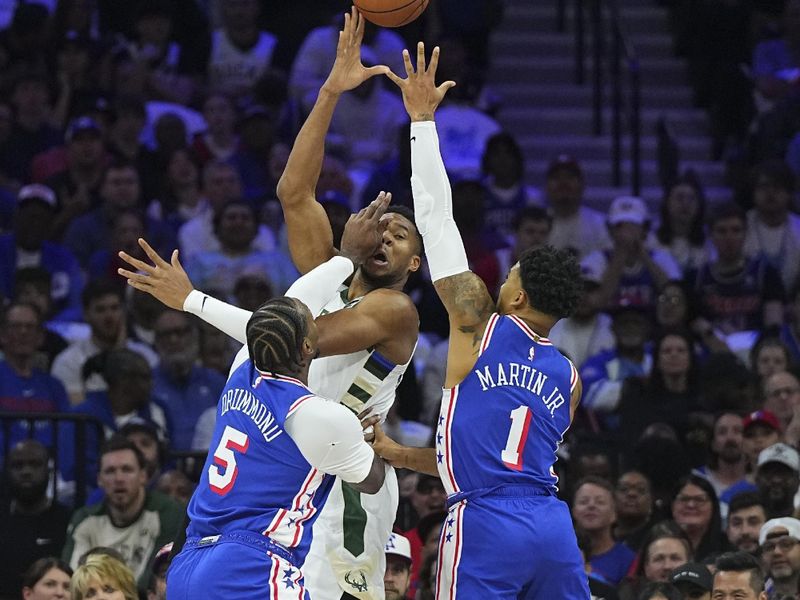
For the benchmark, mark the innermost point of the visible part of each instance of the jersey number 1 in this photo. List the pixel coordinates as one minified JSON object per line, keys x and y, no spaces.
{"x":222,"y":474}
{"x":515,"y":444}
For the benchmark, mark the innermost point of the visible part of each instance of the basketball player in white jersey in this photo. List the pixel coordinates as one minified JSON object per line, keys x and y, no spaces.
{"x":367,"y":337}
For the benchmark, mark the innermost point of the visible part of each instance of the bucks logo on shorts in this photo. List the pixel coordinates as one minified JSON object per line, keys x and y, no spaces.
{"x":357,"y":581}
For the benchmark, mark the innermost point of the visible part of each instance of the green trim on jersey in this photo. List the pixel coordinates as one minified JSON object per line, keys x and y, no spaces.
{"x":354,"y":520}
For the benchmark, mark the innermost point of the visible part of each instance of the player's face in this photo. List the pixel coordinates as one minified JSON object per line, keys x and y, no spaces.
{"x":121,"y":478}
{"x":397,"y":254}
{"x":509,"y":291}
{"x":396,"y":578}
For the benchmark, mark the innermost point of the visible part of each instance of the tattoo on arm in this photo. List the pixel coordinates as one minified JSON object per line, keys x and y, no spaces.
{"x":467,"y":302}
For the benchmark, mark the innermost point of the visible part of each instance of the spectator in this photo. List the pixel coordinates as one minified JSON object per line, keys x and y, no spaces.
{"x":668,"y":394}
{"x":257,"y":134}
{"x":696,"y":510}
{"x":633,"y":501}
{"x":219,"y":141}
{"x":781,"y":392}
{"x":46,"y":579}
{"x":252,"y":290}
{"x":31,"y":132}
{"x":599,"y":588}
{"x":182,"y":388}
{"x":176,"y":485}
{"x":104,"y":312}
{"x":240,"y":53}
{"x":594,"y":513}
{"x":507,"y":196}
{"x":693,"y":581}
{"x":221,"y":185}
{"x":779,"y":539}
{"x":157,"y":589}
{"x":665,"y":548}
{"x":587,"y":332}
{"x":36,"y":524}
{"x":768,"y":356}
{"x":681,"y":228}
{"x":236,"y":229}
{"x":120,"y":190}
{"x":131,"y":519}
{"x":773,"y":229}
{"x":23,"y":387}
{"x":727,"y":465}
{"x":127,"y":226}
{"x":530,"y":227}
{"x":604,"y":373}
{"x":575,"y":226}
{"x":77,"y":181}
{"x":659,"y":590}
{"x":32,"y":285}
{"x":129,"y":394}
{"x":632,"y":274}
{"x":424,"y":540}
{"x":746,"y":515}
{"x":777,"y":479}
{"x":27,"y":246}
{"x":145,"y":436}
{"x":180,"y":198}
{"x":738,"y":575}
{"x":734,"y":293}
{"x":104,"y":574}
{"x":75,"y":58}
{"x":398,"y":567}
{"x":125,"y":142}
{"x":790,"y":330}
{"x":760,"y":430}
{"x":23,"y":43}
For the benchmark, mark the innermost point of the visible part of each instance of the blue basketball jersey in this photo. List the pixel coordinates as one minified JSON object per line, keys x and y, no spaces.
{"x":503,"y":423}
{"x":255,"y":478}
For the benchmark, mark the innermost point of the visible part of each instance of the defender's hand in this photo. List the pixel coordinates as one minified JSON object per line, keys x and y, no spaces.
{"x":165,"y":281}
{"x":421,"y":96}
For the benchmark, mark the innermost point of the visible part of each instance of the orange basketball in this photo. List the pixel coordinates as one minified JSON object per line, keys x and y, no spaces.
{"x":391,"y":13}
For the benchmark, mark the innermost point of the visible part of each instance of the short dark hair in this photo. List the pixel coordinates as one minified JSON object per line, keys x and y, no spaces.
{"x":40,"y":568}
{"x":655,"y":589}
{"x":593,"y":480}
{"x":37,"y":276}
{"x":531,"y":213}
{"x":8,"y":308}
{"x":552,"y":280}
{"x":275,"y":335}
{"x":724,"y":211}
{"x":740,"y":562}
{"x":98,"y":288}
{"x":117,"y":364}
{"x":119,"y":442}
{"x":408,"y":213}
{"x":744,"y":500}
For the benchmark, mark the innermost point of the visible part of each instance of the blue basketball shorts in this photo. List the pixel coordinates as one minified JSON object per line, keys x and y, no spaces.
{"x":236,"y":566}
{"x":513,"y":544}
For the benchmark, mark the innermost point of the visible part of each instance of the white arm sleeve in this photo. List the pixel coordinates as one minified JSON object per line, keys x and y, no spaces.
{"x":433,"y":204}
{"x":330,"y":438}
{"x":314,"y":289}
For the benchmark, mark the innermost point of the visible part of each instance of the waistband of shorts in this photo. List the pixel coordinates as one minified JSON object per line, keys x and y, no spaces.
{"x":248,"y":538}
{"x":507,"y":491}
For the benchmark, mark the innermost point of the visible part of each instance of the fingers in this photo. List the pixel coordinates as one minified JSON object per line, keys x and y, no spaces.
{"x":407,"y":63}
{"x":394,"y":78}
{"x":136,"y":263}
{"x":420,"y":57}
{"x":443,"y":87}
{"x":152,"y":254}
{"x":129,"y":275}
{"x":434,"y":62}
{"x":360,"y":20}
{"x":365,"y":413}
{"x":175,"y":261}
{"x":376,"y":70}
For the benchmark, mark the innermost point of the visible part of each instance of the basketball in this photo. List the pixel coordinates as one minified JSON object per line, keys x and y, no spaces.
{"x":391,"y":13}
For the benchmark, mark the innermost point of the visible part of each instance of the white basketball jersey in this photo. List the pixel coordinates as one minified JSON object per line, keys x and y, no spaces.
{"x":347,"y":548}
{"x":232,"y":69}
{"x":360,"y":380}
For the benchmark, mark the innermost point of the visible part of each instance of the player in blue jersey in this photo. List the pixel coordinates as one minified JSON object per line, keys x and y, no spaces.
{"x":509,"y":396}
{"x":276,"y":445}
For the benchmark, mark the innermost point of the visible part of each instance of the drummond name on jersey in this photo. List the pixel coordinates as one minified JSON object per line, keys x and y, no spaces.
{"x":522,"y":376}
{"x":245,"y":402}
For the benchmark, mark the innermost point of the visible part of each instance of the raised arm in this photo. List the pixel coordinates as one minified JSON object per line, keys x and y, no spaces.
{"x":310,"y":235}
{"x":469,"y":304}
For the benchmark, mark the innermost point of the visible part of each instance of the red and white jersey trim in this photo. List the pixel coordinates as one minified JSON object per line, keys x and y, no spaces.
{"x":287,"y":526}
{"x":530,"y":332}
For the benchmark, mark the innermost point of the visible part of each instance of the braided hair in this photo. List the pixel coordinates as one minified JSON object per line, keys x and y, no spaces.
{"x":275,"y":334}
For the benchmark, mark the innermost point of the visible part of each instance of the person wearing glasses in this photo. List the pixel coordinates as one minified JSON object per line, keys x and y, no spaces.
{"x":780,"y":551}
{"x":696,"y":510}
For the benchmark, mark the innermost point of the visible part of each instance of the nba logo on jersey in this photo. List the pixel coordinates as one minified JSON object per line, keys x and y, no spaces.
{"x":531,"y":353}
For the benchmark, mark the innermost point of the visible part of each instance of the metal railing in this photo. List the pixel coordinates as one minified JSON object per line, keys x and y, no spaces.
{"x":606,"y":24}
{"x":63,"y":431}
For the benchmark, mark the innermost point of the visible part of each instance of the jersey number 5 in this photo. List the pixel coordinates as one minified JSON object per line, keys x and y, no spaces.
{"x":222,"y":474}
{"x":515,"y":444}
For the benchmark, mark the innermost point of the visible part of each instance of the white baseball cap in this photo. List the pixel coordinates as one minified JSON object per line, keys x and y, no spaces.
{"x":399,"y":545}
{"x":791,"y":525}
{"x":627,"y":209}
{"x":37,"y":191}
{"x":780,"y":453}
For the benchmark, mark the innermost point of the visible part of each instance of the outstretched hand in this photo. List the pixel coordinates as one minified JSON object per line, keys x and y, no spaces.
{"x":165,"y":281}
{"x":363,"y":232}
{"x":347,"y":71}
{"x":421,"y":96}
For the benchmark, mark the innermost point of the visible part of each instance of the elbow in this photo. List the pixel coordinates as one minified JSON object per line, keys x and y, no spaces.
{"x":374,"y":481}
